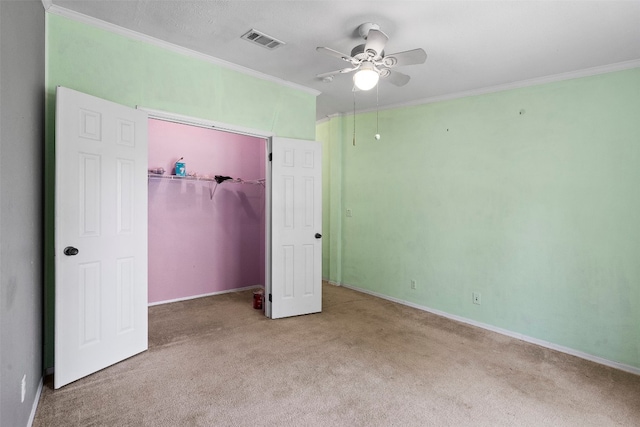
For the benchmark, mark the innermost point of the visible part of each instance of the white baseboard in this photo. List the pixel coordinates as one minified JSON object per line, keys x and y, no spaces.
{"x":522,"y":337}
{"x":36,"y":400}
{"x":246,"y":288}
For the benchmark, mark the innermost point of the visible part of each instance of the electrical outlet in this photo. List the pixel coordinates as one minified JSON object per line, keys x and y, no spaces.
{"x":413,"y":284}
{"x":477,"y":298}
{"x":23,"y":388}
{"x":349,"y":213}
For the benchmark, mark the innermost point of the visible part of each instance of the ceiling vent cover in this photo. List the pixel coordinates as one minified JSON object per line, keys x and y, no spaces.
{"x":261,"y":39}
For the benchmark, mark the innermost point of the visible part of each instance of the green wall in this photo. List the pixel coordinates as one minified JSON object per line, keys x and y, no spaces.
{"x":530,"y":197}
{"x":131,"y":72}
{"x":329,"y":133}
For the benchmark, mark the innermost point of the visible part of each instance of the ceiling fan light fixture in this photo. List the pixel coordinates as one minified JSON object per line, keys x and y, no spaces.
{"x":367,"y":77}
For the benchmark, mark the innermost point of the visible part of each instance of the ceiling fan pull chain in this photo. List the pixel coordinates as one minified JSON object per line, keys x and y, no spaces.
{"x":377,"y":135}
{"x":354,"y":118}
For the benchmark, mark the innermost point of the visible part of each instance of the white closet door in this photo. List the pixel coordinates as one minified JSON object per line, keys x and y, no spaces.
{"x":296,"y":220}
{"x":101,"y":234}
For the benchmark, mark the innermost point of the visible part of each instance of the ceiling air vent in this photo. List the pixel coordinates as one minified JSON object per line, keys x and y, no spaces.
{"x":262,"y":39}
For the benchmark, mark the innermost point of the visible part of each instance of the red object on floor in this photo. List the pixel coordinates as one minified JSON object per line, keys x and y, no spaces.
{"x":257,"y":299}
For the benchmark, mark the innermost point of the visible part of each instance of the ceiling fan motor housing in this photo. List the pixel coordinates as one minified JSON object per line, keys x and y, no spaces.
{"x":364,"y":29}
{"x":360,"y":54}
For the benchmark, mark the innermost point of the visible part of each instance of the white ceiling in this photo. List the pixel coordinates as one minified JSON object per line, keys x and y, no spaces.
{"x":472,"y":46}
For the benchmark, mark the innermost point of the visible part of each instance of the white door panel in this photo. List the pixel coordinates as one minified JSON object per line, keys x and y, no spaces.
{"x":296,"y":245}
{"x":101,"y":210}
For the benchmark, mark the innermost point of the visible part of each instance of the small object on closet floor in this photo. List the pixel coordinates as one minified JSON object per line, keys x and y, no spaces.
{"x":258,"y":297}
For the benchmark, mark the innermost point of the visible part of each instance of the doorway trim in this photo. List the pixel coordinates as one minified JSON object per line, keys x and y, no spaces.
{"x":211,"y":124}
{"x":241,"y":130}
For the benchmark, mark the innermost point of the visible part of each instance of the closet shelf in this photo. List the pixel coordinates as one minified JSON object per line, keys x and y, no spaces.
{"x":245,"y":181}
{"x":180,"y":178}
{"x":205,"y":179}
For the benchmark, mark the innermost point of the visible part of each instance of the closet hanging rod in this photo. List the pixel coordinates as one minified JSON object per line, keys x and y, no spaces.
{"x":245,"y":181}
{"x":212,"y":191}
{"x":206,"y":179}
{"x":179,"y":178}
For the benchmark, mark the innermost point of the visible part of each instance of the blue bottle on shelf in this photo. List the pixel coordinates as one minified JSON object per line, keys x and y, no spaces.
{"x":180,"y":167}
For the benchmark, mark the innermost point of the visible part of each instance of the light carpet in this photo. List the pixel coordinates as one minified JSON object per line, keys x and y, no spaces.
{"x":363,"y":361}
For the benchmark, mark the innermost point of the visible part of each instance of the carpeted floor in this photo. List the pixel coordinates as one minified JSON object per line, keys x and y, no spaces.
{"x":363,"y":361}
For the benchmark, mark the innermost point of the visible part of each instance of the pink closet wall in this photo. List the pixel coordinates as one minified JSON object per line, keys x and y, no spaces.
{"x":200,"y":245}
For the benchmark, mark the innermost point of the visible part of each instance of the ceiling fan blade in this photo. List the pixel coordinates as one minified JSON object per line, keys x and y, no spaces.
{"x":376,"y":40}
{"x":335,"y":53}
{"x":396,"y":78}
{"x":333,"y":73}
{"x":409,"y":57}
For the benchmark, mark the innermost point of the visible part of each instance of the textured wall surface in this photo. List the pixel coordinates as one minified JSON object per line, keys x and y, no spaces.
{"x":529,"y":197}
{"x":22,"y":47}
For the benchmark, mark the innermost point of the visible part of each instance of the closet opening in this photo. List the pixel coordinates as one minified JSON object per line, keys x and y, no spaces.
{"x":207,"y":221}
{"x":259,"y":224}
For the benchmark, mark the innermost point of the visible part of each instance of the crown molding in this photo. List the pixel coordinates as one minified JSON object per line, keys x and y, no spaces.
{"x":587,"y":72}
{"x":98,"y":23}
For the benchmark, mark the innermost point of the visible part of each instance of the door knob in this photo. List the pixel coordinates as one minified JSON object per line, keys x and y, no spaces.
{"x":318,"y":235}
{"x":70,"y":251}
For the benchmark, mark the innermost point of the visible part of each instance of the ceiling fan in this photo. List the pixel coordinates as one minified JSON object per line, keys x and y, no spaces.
{"x":370,"y":61}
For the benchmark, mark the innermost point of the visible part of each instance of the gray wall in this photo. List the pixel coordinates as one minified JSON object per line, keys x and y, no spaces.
{"x":22,"y":54}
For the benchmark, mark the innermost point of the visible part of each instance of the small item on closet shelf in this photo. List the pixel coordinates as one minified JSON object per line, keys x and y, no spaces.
{"x":258,"y":297}
{"x":156,"y":171}
{"x":220,"y":179}
{"x":180,"y":168}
